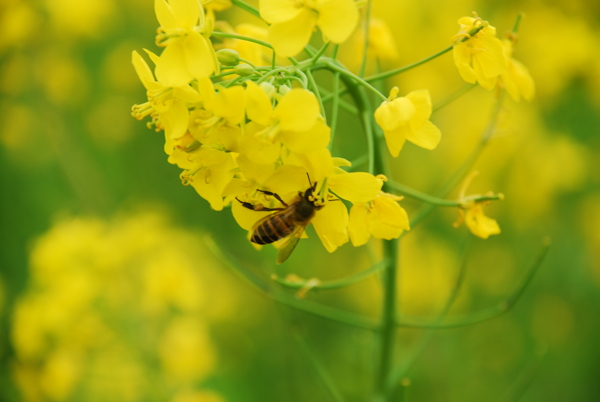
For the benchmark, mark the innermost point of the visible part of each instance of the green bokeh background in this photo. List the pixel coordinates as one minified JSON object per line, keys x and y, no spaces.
{"x":70,"y":149}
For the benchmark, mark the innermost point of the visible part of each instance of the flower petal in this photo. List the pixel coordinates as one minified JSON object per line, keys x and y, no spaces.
{"x":171,"y":70}
{"x":396,"y":138}
{"x":164,"y":14}
{"x":428,"y":136}
{"x":230,"y":104}
{"x":357,"y":226}
{"x":337,"y":19}
{"x":298,"y":110}
{"x":422,"y":103}
{"x":185,"y":12}
{"x":143,"y":71}
{"x":357,"y":187}
{"x":258,"y":104}
{"x":331,"y":224}
{"x":198,"y":58}
{"x":307,"y":141}
{"x":479,"y":224}
{"x":289,"y":38}
{"x":462,"y":60}
{"x":274,"y":11}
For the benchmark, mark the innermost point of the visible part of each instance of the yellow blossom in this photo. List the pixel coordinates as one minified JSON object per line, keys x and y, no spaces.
{"x":166,"y":104}
{"x":407,"y":118}
{"x":292,"y":22}
{"x":188,"y":53}
{"x":480,"y":58}
{"x":471,"y":213}
{"x":295,"y":122}
{"x":209,"y":172}
{"x":382,"y":218}
{"x":217,"y":121}
{"x":517,"y":80}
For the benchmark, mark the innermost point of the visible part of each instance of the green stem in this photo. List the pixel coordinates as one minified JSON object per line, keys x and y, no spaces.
{"x":240,"y":37}
{"x":315,"y":89}
{"x":247,"y":7}
{"x":334,"y":53}
{"x":248,"y":62}
{"x":333,"y":284}
{"x":322,"y":50}
{"x":466,"y":88}
{"x":416,"y":194}
{"x":343,"y":71}
{"x":334,"y":107}
{"x":402,"y":370}
{"x":492,"y":312}
{"x":464,"y":168}
{"x":399,"y":70}
{"x":388,"y":328}
{"x":342,"y":103}
{"x":307,"y":306}
{"x":363,"y":65}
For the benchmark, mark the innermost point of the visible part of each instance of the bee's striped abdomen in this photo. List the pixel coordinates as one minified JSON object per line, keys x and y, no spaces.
{"x":275,"y":227}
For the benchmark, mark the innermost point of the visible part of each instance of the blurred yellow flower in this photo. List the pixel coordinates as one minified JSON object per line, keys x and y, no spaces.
{"x":103,"y":300}
{"x":292,"y":22}
{"x":407,"y":118}
{"x":480,"y":58}
{"x":517,"y":80}
{"x":471,"y":213}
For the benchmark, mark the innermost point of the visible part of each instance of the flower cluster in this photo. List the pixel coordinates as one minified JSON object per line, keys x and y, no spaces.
{"x":249,"y":130}
{"x":103,"y":299}
{"x":239,"y":142}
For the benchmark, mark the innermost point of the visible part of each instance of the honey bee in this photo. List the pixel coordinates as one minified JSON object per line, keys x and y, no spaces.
{"x":287,"y":222}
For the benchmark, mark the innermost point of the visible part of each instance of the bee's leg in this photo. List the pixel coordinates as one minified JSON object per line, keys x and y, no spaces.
{"x":277,"y":197}
{"x":257,"y":207}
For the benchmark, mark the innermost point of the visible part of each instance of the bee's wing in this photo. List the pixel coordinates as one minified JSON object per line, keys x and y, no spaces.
{"x":289,"y":245}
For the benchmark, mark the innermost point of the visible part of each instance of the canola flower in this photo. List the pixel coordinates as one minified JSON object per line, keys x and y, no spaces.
{"x":251,"y":135}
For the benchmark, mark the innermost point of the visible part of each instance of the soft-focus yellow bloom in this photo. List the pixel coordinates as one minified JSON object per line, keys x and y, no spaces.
{"x":481,"y":57}
{"x":90,"y":280}
{"x":382,"y":218}
{"x":184,"y":32}
{"x":407,"y":118}
{"x":292,"y":22}
{"x":517,"y":80}
{"x":471,"y":213}
{"x":185,"y":350}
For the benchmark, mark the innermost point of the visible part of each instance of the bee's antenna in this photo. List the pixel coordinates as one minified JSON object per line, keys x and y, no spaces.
{"x":310,"y":182}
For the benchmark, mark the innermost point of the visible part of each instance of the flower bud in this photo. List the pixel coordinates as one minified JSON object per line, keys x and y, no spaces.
{"x":228,"y":57}
{"x":284,"y":89}
{"x":268,"y":88}
{"x":245,"y":70}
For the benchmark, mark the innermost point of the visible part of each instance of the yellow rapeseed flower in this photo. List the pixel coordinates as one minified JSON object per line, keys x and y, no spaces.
{"x":184,"y":33}
{"x":407,"y":118}
{"x":166,"y":104}
{"x":480,"y":58}
{"x":382,"y":218}
{"x":471,"y":213}
{"x":295,"y":122}
{"x":293,"y":21}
